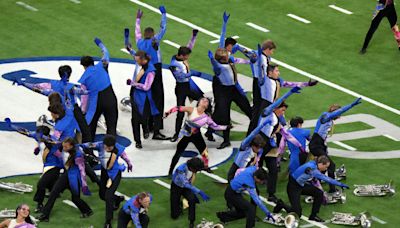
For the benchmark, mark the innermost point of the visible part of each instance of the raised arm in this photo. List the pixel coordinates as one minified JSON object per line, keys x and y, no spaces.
{"x":274,"y":105}
{"x":138,"y":33}
{"x":163,"y":24}
{"x":214,"y":63}
{"x":225,"y":18}
{"x":128,"y":44}
{"x":340,"y":111}
{"x":106,"y":56}
{"x":246,"y":142}
{"x":287,"y":84}
{"x":192,"y":40}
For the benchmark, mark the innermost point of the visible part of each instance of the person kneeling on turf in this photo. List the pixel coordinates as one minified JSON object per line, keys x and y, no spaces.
{"x":136,"y":209}
{"x":244,"y":181}
{"x":181,"y":185}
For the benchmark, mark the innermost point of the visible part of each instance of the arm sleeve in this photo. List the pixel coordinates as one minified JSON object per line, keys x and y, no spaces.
{"x":163,"y":27}
{"x":80,"y":90}
{"x":271,"y":108}
{"x":125,"y":157}
{"x":191,"y":42}
{"x":213,"y":125}
{"x":287,"y":84}
{"x":256,"y":199}
{"x":80,"y":162}
{"x":222,"y":37}
{"x":215,"y":65}
{"x":185,"y":183}
{"x":138,"y":33}
{"x":147,"y":84}
{"x":135,"y":219}
{"x":241,"y":61}
{"x":106,"y":55}
{"x":336,"y":113}
{"x":317,"y":174}
{"x":289,"y":137}
{"x":84,"y":100}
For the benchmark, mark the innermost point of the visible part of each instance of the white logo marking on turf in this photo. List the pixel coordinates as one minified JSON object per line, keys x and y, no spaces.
{"x":344,"y":145}
{"x":378,"y":220}
{"x":345,"y":11}
{"x":257,"y":27}
{"x":162,"y":183}
{"x":26,"y":6}
{"x":75,"y":1}
{"x":172,"y":43}
{"x":298,"y":18}
{"x":280,"y":63}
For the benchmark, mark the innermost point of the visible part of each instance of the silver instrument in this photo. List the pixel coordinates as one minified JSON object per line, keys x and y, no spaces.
{"x":18,"y":187}
{"x":374,"y":190}
{"x":362,"y":219}
{"x":125,"y":104}
{"x":208,"y":224}
{"x":330,"y":198}
{"x":340,"y":173}
{"x":7,"y":213}
{"x":290,"y":221}
{"x":44,"y":121}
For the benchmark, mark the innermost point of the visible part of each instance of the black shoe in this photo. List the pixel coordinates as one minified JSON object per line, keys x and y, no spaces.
{"x":39,"y":208}
{"x":363,"y":51}
{"x":146,"y":135}
{"x":159,"y":136}
{"x":316,"y":218}
{"x":87,"y":214}
{"x":220,"y":217}
{"x":118,"y":202}
{"x":273,"y":198}
{"x":223,"y":145}
{"x":279,"y":206}
{"x":174,"y":138}
{"x":139,"y":145}
{"x":209,"y":136}
{"x":43,"y":218}
{"x":208,"y":170}
{"x":191,"y":225}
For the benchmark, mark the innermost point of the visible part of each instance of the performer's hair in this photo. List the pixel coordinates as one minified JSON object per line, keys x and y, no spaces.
{"x":296,"y":121}
{"x":220,"y":53}
{"x":271,"y":67}
{"x":258,"y":141}
{"x":283,"y":104}
{"x":58,"y":109}
{"x":334,"y":107}
{"x":142,"y":195}
{"x":268,"y":44}
{"x":195,"y":164}
{"x":323,"y":159}
{"x":87,"y":61}
{"x":148,"y":33}
{"x":261,"y":174}
{"x":27,"y":219}
{"x":109,"y":140}
{"x":54,"y":98}
{"x":72,"y":152}
{"x":208,"y":111}
{"x":230,"y":41}
{"x":65,"y":71}
{"x":143,"y":55}
{"x":184,"y":51}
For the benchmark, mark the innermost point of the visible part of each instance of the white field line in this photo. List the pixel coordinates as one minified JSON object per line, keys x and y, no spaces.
{"x":345,"y":11}
{"x":378,"y":220}
{"x":311,"y":225}
{"x":257,"y":27}
{"x":217,"y":41}
{"x":280,"y":63}
{"x":75,"y":1}
{"x":391,"y":137}
{"x":121,"y":194}
{"x":70,"y":203}
{"x":26,"y":6}
{"x":124,"y":50}
{"x":172,"y":43}
{"x":215,"y":177}
{"x":162,"y":183}
{"x":344,"y":145}
{"x":214,"y":168}
{"x":298,"y":18}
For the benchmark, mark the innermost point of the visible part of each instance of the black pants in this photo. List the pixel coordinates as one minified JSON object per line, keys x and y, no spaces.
{"x":91,"y":174}
{"x":232,"y":171}
{"x":83,"y":126}
{"x":108,"y":194}
{"x":256,"y":93}
{"x":46,"y":181}
{"x":62,"y":184}
{"x":176,"y":205}
{"x":318,"y":148}
{"x":182,"y":91}
{"x":157,"y":90}
{"x":302,"y":158}
{"x":257,"y":112}
{"x":198,"y":142}
{"x":224,"y":96}
{"x":108,"y":106}
{"x":241,"y":208}
{"x":390,"y":13}
{"x":294,"y":191}
{"x":271,"y":164}
{"x":124,"y":219}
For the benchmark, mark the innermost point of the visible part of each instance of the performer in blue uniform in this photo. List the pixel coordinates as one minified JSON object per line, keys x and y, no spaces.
{"x":185,"y":86}
{"x":324,"y":127}
{"x":150,"y":44}
{"x":101,"y":99}
{"x":182,"y":185}
{"x":299,"y":184}
{"x":244,"y":181}
{"x":110,"y":172}
{"x":135,"y":210}
{"x":74,"y":178}
{"x":143,"y":105}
